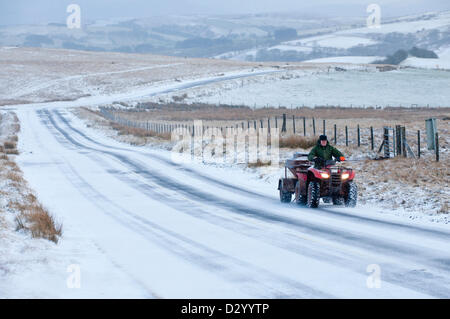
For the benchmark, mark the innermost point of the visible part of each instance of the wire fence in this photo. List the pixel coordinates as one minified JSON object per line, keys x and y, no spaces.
{"x":392,"y":142}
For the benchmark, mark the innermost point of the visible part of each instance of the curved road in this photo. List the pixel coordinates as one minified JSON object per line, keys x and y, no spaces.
{"x":184,"y":231}
{"x":193,"y":231}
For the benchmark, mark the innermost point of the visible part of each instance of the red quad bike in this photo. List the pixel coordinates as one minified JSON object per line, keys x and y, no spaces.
{"x":329,"y":181}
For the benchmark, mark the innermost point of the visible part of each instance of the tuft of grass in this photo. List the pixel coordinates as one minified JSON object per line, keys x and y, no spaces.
{"x":14,"y":177}
{"x":33,"y":217}
{"x":296,"y":141}
{"x":444,"y":208}
{"x":9,"y":145}
{"x":37,"y":220}
{"x":12,"y":152}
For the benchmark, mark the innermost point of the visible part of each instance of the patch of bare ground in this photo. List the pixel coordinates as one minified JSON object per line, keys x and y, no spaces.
{"x":418,"y":184}
{"x":29,"y":215}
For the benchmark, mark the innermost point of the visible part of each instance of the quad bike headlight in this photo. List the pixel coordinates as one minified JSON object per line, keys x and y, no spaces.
{"x":345,"y":176}
{"x":325,"y":175}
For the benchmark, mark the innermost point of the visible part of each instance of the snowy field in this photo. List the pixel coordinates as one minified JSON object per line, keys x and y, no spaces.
{"x":404,"y":87}
{"x":44,"y":75}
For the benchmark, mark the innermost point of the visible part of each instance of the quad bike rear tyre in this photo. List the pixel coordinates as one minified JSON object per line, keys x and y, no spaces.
{"x":299,"y":199}
{"x":352,"y":195}
{"x":338,"y":201}
{"x":313,"y":195}
{"x":285,"y":197}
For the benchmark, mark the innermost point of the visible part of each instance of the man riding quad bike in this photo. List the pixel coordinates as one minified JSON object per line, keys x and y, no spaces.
{"x":323,"y":152}
{"x":325,"y":179}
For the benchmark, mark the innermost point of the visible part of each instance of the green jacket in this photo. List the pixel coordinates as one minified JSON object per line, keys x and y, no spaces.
{"x":325,"y":152}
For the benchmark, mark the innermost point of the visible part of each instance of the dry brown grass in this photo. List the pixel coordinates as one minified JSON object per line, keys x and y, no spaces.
{"x":259,"y":163}
{"x":37,"y":220}
{"x":201,"y":111}
{"x":139,"y":132}
{"x":30,"y":214}
{"x":296,"y":141}
{"x":444,"y":209}
{"x":12,"y":152}
{"x":12,"y":176}
{"x":9,"y":145}
{"x":410,"y":171}
{"x":417,"y":184}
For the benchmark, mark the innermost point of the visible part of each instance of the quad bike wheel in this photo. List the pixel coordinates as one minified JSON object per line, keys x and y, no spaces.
{"x":352,"y":195}
{"x":313,"y":195}
{"x":285,"y":197}
{"x":338,"y":201}
{"x":299,"y":199}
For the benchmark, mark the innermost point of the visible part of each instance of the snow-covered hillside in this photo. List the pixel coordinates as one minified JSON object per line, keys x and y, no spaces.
{"x":357,"y":86}
{"x":429,"y":31}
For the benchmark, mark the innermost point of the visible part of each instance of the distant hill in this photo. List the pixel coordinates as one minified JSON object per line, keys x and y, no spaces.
{"x":258,"y":37}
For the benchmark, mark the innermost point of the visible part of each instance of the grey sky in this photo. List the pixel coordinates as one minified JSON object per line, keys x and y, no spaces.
{"x":44,"y":11}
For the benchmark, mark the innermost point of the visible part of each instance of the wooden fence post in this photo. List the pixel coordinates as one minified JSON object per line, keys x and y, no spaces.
{"x":293,"y":123}
{"x":436,"y":139}
{"x":418,"y":143}
{"x":346,"y":135}
{"x":371,"y":138}
{"x":398,"y":139}
{"x":335,"y":134}
{"x":403,"y":130}
{"x":304,"y":126}
{"x":359,"y":136}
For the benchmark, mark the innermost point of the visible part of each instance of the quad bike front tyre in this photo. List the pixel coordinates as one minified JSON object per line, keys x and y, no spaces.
{"x":313,"y":195}
{"x":352,"y":195}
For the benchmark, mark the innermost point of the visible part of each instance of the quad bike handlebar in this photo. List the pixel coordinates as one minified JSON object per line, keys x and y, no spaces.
{"x":320,"y":162}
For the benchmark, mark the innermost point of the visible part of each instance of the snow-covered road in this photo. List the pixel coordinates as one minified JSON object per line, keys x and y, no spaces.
{"x":138,"y":225}
{"x":152,"y":228}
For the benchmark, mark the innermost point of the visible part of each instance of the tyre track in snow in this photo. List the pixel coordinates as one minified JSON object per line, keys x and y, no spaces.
{"x":353,"y":238}
{"x":66,"y":170}
{"x":196,"y":253}
{"x":239,"y":190}
{"x":413,"y":280}
{"x":190,"y":191}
